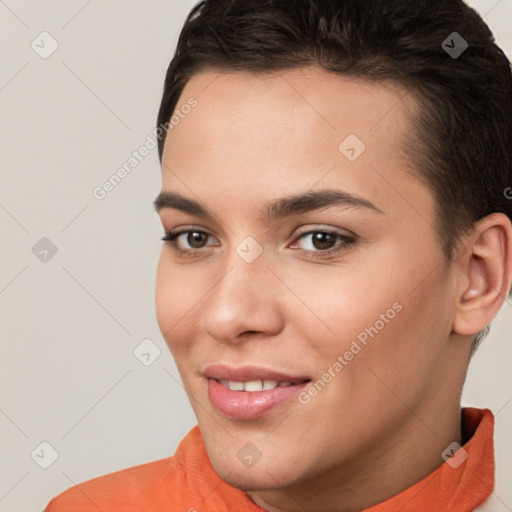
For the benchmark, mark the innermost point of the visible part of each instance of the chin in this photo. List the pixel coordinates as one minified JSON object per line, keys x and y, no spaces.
{"x":263,"y":475}
{"x":253,"y":480}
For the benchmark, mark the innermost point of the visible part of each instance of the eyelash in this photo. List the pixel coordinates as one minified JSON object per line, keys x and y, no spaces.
{"x":347,"y":242}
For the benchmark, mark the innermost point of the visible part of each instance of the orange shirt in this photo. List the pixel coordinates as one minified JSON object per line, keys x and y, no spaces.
{"x":187,"y":482}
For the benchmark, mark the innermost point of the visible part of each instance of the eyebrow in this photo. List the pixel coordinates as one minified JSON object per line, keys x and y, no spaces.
{"x":275,"y":209}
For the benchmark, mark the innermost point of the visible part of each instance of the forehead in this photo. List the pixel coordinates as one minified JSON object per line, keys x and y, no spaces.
{"x":286,"y":131}
{"x":327,"y":100}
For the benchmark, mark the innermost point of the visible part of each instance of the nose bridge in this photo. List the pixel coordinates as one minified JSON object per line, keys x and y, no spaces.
{"x":241,"y":300}
{"x":246,"y":268}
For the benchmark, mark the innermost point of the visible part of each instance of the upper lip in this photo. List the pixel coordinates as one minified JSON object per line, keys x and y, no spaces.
{"x":248,"y":373}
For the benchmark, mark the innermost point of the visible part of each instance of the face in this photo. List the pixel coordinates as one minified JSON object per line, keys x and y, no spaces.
{"x":301,"y":254}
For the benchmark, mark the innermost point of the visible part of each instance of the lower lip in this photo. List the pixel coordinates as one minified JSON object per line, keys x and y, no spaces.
{"x":249,"y":405}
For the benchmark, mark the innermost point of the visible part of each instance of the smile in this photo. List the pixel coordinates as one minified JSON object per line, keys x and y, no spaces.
{"x":250,"y":392}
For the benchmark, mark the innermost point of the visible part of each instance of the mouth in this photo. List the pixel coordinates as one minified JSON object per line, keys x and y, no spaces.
{"x":250,"y":392}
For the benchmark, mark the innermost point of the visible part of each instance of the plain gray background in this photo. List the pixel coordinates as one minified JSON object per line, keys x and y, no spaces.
{"x":72,"y":320}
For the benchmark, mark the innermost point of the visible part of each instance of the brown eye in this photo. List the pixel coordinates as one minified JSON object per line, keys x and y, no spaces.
{"x":323,"y":241}
{"x":189,"y":241}
{"x":320,"y":243}
{"x":197,"y":239}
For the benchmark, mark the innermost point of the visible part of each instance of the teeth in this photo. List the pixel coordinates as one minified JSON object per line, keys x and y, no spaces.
{"x":254,"y":385}
{"x":236,"y":386}
{"x":270,"y":384}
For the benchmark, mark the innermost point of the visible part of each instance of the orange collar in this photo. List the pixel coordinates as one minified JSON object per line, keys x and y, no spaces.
{"x":457,"y":485}
{"x":188,"y":481}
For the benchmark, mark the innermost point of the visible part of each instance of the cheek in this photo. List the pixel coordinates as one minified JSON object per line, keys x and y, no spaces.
{"x":374,"y":315}
{"x":399,"y":361}
{"x":175,"y":298}
{"x":340,"y":305}
{"x":164,"y":298}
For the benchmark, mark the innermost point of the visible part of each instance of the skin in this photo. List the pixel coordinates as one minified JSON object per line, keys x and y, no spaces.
{"x":254,"y":138}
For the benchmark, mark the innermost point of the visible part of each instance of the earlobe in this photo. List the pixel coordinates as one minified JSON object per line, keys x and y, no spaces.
{"x":487,"y":274}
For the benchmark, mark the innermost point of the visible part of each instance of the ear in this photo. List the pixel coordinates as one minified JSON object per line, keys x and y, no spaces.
{"x":486,"y":274}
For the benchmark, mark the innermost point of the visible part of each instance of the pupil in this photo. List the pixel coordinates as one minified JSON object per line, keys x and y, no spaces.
{"x":323,"y":240}
{"x":196,"y":239}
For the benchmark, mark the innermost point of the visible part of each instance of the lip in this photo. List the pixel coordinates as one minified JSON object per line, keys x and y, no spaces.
{"x":245,"y":405}
{"x":249,"y":372}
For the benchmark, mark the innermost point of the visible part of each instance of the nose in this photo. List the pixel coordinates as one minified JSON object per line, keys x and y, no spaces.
{"x":242,"y":303}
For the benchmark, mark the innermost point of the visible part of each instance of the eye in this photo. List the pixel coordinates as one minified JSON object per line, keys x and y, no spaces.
{"x":323,"y":242}
{"x":319,"y":243}
{"x":187,"y":241}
